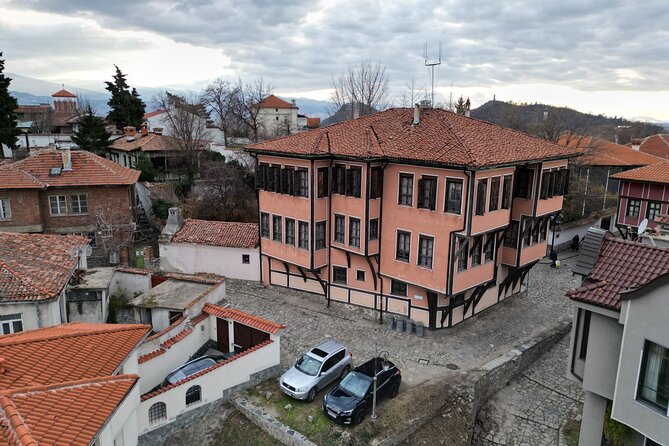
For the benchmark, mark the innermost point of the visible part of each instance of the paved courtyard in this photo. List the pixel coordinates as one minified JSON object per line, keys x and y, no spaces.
{"x":532,"y":408}
{"x":464,"y":347}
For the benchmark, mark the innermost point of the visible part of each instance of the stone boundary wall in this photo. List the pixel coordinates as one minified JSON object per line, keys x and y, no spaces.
{"x":271,"y":425}
{"x":160,"y":435}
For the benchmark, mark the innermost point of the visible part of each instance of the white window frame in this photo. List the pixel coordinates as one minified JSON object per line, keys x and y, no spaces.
{"x":77,"y":197}
{"x":9,"y":320}
{"x":5,"y":209}
{"x":61,"y":205}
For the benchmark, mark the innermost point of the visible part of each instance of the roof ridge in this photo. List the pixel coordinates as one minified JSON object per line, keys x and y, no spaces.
{"x":15,"y":167}
{"x":472,"y":160}
{"x":17,"y":426}
{"x":63,"y":385}
{"x":15,"y":338}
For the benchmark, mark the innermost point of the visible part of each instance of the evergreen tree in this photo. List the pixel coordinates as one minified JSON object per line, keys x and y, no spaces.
{"x":8,"y":105}
{"x":144,"y":165}
{"x":461,"y":106}
{"x":92,"y":134}
{"x":127,"y":109}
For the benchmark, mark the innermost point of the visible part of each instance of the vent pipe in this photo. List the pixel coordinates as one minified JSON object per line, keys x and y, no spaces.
{"x":416,"y":114}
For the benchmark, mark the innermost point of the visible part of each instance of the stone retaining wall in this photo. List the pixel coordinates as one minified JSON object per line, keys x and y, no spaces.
{"x":160,"y":435}
{"x":270,"y":424}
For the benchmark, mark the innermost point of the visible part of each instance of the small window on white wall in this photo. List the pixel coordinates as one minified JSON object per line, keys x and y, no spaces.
{"x":246,"y":259}
{"x":193,"y":395}
{"x":157,"y":412}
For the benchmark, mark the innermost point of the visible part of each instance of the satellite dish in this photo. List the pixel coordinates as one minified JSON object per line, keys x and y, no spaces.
{"x":642,"y":226}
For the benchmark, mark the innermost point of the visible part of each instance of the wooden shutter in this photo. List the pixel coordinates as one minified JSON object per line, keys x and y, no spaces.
{"x":421,"y":195}
{"x":433,"y":194}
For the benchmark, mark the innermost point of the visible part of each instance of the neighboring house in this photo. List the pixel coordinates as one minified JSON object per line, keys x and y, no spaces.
{"x":180,"y":297}
{"x":657,"y":145}
{"x":158,"y":121}
{"x":643,"y":194}
{"x":88,"y":295}
{"x":70,"y":192}
{"x":71,"y":384}
{"x":423,"y":213}
{"x":162,"y":150}
{"x":228,"y":249}
{"x":35,"y":270}
{"x":277,"y":117}
{"x":620,"y":342}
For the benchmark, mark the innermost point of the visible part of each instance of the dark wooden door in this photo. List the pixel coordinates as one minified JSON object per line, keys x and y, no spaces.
{"x":432,"y":299}
{"x":223,"y":335}
{"x":246,"y":337}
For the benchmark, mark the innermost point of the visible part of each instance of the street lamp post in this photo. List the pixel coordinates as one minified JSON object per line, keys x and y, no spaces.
{"x":556,"y":220}
{"x":376,"y":358}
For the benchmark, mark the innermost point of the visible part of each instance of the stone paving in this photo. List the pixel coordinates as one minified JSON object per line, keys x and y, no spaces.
{"x":533,"y":407}
{"x":463,"y":347}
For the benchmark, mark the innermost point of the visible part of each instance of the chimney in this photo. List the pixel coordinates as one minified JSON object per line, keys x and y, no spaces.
{"x":356,"y":109}
{"x":416,"y":114}
{"x":174,"y":222}
{"x":292,"y":101}
{"x":66,"y":156}
{"x":129,"y":132}
{"x":468,"y":108}
{"x":545,"y":113}
{"x":144,"y":129}
{"x":158,"y":130}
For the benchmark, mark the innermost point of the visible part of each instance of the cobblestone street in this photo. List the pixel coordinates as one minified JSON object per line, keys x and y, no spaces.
{"x":531,"y":409}
{"x":464,"y":347}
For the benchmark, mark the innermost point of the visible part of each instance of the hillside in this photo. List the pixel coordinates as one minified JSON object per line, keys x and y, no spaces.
{"x":530,"y":118}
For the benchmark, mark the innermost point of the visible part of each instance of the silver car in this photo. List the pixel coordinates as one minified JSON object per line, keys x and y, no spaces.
{"x":316,"y":369}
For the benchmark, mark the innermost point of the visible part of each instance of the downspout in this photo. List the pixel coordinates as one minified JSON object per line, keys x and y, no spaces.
{"x":585,"y":193}
{"x":313,"y":223}
{"x":606,"y":188}
{"x":383,"y":169}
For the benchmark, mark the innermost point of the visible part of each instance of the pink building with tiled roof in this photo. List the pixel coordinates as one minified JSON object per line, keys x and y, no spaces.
{"x":229,"y":249}
{"x":69,"y":192}
{"x":421,"y":213}
{"x":619,"y":349}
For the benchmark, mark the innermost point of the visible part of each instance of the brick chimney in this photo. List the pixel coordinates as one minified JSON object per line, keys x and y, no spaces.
{"x":468,"y":106}
{"x":144,"y":129}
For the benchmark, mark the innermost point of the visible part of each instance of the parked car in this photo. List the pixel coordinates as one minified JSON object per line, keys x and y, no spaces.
{"x":316,"y":369}
{"x":191,"y":368}
{"x":349,"y":402}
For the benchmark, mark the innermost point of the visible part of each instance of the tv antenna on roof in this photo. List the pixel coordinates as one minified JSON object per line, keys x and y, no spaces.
{"x":430,"y":64}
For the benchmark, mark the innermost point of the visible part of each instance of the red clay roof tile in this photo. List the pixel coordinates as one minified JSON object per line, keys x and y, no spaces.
{"x":272,"y":101}
{"x":654,"y":173}
{"x":87,"y":170}
{"x":151,"y":142}
{"x":599,"y":152}
{"x":657,"y":145}
{"x":36,"y":267}
{"x":218,"y":233}
{"x":441,"y":138}
{"x":153,"y":113}
{"x":244,"y":318}
{"x":622,"y":265}
{"x":63,"y":94}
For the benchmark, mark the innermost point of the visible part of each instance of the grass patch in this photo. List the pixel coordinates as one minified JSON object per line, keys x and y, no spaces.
{"x":237,"y":429}
{"x":571,"y":431}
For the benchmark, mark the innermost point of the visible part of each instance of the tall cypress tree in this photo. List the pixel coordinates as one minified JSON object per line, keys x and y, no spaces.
{"x":8,"y":105}
{"x":92,"y":134}
{"x":126,"y":106}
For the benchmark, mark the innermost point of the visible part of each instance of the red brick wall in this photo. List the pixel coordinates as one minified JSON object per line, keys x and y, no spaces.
{"x":24,"y":205}
{"x":111,"y":202}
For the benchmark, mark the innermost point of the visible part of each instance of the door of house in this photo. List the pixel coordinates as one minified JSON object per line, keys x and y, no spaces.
{"x":432,"y":299}
{"x":246,"y":337}
{"x":223,"y":335}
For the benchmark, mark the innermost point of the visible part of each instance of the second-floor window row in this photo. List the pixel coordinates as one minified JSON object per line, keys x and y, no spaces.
{"x":347,"y":181}
{"x":278,"y":235}
{"x":72,"y":204}
{"x":553,"y":183}
{"x":480,"y":249}
{"x":284,"y":180}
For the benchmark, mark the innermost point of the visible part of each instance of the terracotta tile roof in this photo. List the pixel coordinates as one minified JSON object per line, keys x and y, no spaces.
{"x":244,"y":318}
{"x":272,"y":101}
{"x":153,"y":113}
{"x":66,"y":352}
{"x":164,"y":389}
{"x":167,"y":329}
{"x":63,"y":94}
{"x":657,"y":145}
{"x":87,"y":170}
{"x":218,"y":233}
{"x":654,"y":173}
{"x":32,"y":109}
{"x":131,"y":270}
{"x":599,"y":152}
{"x":199,"y":318}
{"x":622,"y":265}
{"x":35,"y":267}
{"x":441,"y":138}
{"x":71,"y":412}
{"x":313,"y":123}
{"x":177,"y":337}
{"x":151,"y":142}
{"x":149,"y":356}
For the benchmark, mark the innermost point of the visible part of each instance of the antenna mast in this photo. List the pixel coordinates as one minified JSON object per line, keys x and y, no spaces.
{"x":430,"y":64}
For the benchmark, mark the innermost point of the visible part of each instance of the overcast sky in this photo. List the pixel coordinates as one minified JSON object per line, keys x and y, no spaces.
{"x":603,"y":56}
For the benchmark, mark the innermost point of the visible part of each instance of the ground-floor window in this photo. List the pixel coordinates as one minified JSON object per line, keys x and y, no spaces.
{"x":157,"y":412}
{"x":11,"y":323}
{"x":360,"y":275}
{"x":193,"y":395}
{"x":654,"y":376}
{"x":398,"y":288}
{"x":339,"y":274}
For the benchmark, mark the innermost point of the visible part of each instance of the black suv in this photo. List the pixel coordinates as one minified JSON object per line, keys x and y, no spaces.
{"x":349,"y":402}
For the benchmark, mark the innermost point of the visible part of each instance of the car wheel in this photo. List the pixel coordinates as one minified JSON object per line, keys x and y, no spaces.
{"x":359,"y":416}
{"x":345,"y":372}
{"x":394,"y":390}
{"x":311,"y":395}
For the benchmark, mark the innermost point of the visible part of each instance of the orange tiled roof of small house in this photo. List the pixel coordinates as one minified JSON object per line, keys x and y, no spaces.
{"x":657,"y":145}
{"x":654,"y":173}
{"x":272,"y":101}
{"x":35,"y":267}
{"x":600,"y":152}
{"x":88,"y":169}
{"x":441,"y":138}
{"x":218,"y":233}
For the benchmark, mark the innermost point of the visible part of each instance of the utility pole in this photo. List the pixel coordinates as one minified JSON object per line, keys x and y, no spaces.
{"x":430,"y":64}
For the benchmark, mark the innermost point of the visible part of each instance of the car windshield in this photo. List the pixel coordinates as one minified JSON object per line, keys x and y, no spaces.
{"x":190,"y":369}
{"x":355,"y":384}
{"x":307,"y":364}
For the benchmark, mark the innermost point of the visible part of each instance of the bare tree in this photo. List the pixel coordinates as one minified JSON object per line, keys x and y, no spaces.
{"x":246,"y":103}
{"x":221,"y":99}
{"x":186,"y":122}
{"x":365,"y":86}
{"x":554,"y":122}
{"x":413,"y":94}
